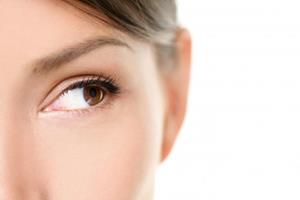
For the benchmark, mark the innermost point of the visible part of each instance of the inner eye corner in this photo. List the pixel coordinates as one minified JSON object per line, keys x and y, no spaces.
{"x":92,"y":90}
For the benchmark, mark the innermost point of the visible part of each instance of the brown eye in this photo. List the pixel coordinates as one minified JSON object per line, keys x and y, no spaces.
{"x":83,"y":94}
{"x":93,"y":94}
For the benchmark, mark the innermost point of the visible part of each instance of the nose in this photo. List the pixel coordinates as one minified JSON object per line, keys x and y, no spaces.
{"x":17,"y":165}
{"x":11,"y":161}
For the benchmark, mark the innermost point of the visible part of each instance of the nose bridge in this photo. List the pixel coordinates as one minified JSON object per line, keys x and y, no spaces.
{"x":18,"y":170}
{"x":12,"y":153}
{"x":9,"y":171}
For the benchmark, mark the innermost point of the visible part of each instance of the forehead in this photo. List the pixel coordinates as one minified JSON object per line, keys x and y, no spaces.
{"x":32,"y":28}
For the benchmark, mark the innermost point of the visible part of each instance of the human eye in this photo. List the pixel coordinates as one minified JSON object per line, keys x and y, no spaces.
{"x":82,"y":94}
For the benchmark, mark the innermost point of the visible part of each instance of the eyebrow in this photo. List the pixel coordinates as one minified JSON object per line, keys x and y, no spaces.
{"x":56,"y":60}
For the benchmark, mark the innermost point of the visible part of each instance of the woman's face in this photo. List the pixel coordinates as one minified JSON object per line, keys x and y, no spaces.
{"x":82,"y":107}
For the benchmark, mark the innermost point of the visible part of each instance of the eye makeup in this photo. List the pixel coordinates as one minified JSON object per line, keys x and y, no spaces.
{"x":106,"y":82}
{"x":74,"y":90}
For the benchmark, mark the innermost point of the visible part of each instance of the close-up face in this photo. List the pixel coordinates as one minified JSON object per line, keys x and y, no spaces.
{"x":86,"y":110}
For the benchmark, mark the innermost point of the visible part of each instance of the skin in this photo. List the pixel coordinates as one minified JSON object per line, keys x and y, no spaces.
{"x":107,"y":152}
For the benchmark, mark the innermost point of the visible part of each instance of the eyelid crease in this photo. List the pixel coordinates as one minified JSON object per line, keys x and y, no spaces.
{"x":107,"y":82}
{"x":62,"y":86}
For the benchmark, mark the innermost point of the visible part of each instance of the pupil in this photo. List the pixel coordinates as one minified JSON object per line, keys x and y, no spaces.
{"x":93,"y":92}
{"x":93,"y":95}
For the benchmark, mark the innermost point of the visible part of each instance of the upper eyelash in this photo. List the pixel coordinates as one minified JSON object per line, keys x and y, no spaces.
{"x":104,"y":81}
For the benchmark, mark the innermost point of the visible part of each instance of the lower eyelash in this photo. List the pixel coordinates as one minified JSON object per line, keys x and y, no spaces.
{"x":109,"y":84}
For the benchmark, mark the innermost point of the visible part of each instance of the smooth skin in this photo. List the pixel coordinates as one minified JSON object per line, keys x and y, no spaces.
{"x":109,"y":151}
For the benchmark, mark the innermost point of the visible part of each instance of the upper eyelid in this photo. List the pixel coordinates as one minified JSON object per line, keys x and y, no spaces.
{"x":107,"y":102}
{"x":59,"y":87}
{"x":82,"y":83}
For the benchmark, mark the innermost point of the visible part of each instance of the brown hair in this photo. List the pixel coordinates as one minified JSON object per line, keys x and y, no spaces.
{"x":154,"y":21}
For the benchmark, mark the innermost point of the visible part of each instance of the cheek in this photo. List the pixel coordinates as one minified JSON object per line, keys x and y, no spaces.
{"x":109,"y":157}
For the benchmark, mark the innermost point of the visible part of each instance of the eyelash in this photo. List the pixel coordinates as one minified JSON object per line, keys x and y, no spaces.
{"x":105,"y":82}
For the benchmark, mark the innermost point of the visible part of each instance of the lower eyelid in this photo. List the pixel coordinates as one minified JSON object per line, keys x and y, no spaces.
{"x":58,"y":89}
{"x":108,"y":103}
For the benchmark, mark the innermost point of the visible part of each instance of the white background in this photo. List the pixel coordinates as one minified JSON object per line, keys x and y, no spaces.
{"x":240,"y":139}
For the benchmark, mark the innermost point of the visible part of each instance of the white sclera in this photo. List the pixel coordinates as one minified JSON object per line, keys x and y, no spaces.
{"x":71,"y":100}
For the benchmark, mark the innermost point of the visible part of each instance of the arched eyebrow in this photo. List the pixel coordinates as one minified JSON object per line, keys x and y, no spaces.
{"x":56,"y":60}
